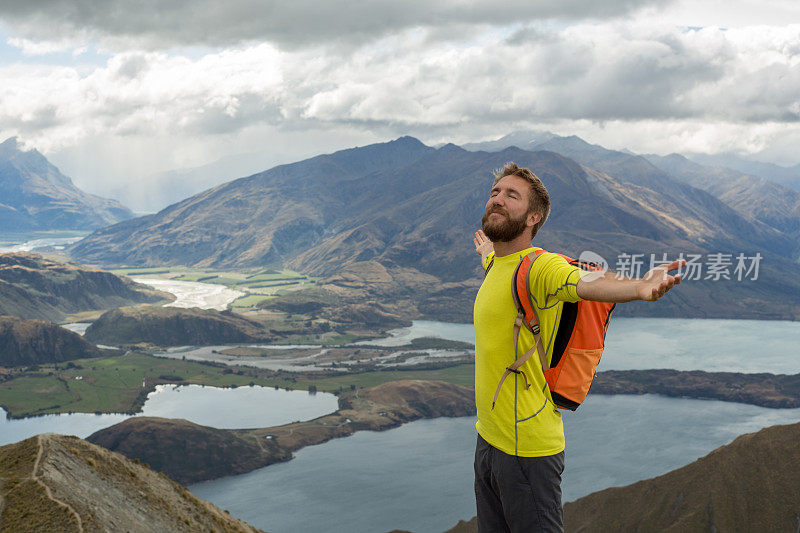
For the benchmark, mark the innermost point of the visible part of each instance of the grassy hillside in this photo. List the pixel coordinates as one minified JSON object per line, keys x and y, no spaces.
{"x":57,"y":483}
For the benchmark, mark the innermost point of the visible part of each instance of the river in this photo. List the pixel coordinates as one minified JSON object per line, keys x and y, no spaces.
{"x":57,"y":243}
{"x":194,"y":294}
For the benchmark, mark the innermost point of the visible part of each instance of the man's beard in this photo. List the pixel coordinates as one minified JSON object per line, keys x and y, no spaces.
{"x":504,"y":231}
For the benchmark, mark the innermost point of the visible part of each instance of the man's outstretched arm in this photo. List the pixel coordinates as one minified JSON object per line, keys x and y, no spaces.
{"x":611,"y":288}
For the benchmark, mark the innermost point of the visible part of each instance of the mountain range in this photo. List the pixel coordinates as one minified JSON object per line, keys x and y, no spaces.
{"x":786,"y":176}
{"x":410,"y":210}
{"x":35,"y":195}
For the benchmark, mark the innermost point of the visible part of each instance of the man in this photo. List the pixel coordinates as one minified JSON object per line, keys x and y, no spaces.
{"x":519,"y":456}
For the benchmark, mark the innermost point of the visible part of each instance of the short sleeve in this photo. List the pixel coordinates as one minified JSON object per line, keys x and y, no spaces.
{"x":554,"y":280}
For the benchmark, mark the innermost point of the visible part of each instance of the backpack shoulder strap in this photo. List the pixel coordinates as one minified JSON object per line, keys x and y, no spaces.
{"x":526,"y":314}
{"x":488,"y":266}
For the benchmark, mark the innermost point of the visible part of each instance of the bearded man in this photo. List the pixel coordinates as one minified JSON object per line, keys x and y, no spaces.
{"x":519,"y":457}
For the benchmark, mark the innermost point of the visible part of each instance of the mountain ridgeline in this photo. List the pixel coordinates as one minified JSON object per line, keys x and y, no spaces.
{"x":408,"y":210}
{"x":35,"y":195}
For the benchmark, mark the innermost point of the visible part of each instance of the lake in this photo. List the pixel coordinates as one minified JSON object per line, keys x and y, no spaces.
{"x":419,"y":476}
{"x":242,"y":407}
{"x":713,"y":345}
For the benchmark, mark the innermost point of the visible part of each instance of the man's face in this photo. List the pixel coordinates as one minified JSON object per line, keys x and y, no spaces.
{"x":506,"y":214}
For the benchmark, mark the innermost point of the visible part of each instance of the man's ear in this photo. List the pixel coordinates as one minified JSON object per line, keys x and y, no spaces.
{"x":533,"y":219}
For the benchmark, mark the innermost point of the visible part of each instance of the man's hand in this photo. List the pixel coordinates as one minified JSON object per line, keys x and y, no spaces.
{"x":483,"y":246}
{"x":658,"y":281}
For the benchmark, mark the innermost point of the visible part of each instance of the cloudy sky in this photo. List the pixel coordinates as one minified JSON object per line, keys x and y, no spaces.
{"x":111,"y":93}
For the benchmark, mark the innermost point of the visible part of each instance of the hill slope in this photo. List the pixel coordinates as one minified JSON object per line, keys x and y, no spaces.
{"x":751,"y":484}
{"x":263,"y":219}
{"x":34,"y":194}
{"x":57,"y":483}
{"x":171,"y":326}
{"x":30,"y":342}
{"x":786,"y":176}
{"x":33,"y":286}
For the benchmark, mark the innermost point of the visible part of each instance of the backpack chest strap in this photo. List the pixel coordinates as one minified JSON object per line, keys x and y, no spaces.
{"x":519,"y":361}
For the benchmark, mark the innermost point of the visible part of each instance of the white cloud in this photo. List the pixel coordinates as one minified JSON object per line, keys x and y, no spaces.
{"x":146,"y":93}
{"x":637,"y":83}
{"x":30,"y":47}
{"x":157,"y":24}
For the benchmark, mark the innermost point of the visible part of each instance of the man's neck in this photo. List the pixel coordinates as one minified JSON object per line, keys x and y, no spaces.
{"x":522,"y":242}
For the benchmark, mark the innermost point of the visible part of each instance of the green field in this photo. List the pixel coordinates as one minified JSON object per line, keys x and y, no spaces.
{"x":459,"y":375}
{"x":114,"y":384}
{"x":110,"y":384}
{"x":249,"y":301}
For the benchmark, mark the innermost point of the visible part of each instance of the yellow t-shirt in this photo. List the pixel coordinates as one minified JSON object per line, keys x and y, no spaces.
{"x":523,"y":422}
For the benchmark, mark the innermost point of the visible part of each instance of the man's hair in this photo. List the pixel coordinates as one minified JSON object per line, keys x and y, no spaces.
{"x":538,"y":199}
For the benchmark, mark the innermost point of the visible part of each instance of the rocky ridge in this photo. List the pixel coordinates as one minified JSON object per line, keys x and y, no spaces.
{"x":58,"y":483}
{"x":750,"y":484}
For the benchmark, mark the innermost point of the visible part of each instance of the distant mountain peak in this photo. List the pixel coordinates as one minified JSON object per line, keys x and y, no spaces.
{"x":512,"y":148}
{"x":450,"y":147}
{"x":9,"y":147}
{"x":43,"y":198}
{"x":407,"y":140}
{"x":13,"y":147}
{"x":673,"y":157}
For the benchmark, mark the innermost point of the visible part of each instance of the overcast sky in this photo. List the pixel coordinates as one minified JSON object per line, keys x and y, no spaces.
{"x":112,"y":93}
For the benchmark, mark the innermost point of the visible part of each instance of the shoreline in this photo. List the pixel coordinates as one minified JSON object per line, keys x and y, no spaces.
{"x":775,"y":391}
{"x":376,"y":408}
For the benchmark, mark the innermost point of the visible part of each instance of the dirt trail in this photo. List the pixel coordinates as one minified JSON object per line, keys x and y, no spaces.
{"x":47,"y":491}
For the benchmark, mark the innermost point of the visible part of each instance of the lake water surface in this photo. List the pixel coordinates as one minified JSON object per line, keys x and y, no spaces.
{"x":713,"y":345}
{"x":419,"y":476}
{"x":242,"y":407}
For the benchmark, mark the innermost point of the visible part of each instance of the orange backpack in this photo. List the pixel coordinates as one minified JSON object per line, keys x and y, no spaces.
{"x":578,"y":343}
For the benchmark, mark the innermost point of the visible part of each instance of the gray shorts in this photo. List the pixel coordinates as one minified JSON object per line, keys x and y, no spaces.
{"x":517,"y":494}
